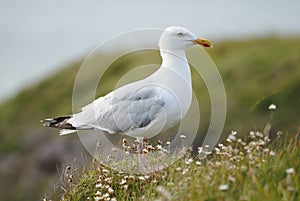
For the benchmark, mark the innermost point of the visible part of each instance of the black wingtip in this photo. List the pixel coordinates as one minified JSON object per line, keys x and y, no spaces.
{"x":58,"y":122}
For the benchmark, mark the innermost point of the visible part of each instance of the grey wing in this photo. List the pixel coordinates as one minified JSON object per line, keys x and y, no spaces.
{"x":121,"y":110}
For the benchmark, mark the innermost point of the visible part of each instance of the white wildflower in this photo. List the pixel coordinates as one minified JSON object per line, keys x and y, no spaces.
{"x":252,"y":134}
{"x":272,"y":153}
{"x":259,"y":134}
{"x":290,"y":170}
{"x":231,"y":138}
{"x":220,"y":145}
{"x":252,"y":144}
{"x":154,"y":181}
{"x":272,"y":107}
{"x":189,"y":161}
{"x":99,"y":185}
{"x":279,"y":133}
{"x":185,"y":171}
{"x":131,"y":177}
{"x":267,"y":139}
{"x":231,"y":178}
{"x":123,"y":181}
{"x":97,"y":198}
{"x":228,"y":140}
{"x":165,"y":151}
{"x":106,"y":195}
{"x":224,"y":148}
{"x":110,"y":190}
{"x":108,"y":180}
{"x":170,"y":184}
{"x":159,"y":147}
{"x":261,"y":142}
{"x":198,"y":163}
{"x":223,"y":187}
{"x":151,"y":147}
{"x":145,"y":151}
{"x":178,"y":169}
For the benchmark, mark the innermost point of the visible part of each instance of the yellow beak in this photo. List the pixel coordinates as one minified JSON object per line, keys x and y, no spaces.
{"x":204,"y":42}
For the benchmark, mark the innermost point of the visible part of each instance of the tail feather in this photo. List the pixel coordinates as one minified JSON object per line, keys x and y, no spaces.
{"x":66,"y":131}
{"x":59,"y":122}
{"x":62,"y":123}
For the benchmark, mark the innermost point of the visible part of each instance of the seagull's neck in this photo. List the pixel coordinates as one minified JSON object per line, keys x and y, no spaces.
{"x":177,"y":62}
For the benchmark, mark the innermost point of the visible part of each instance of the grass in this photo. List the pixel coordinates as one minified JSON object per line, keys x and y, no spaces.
{"x":242,"y":168}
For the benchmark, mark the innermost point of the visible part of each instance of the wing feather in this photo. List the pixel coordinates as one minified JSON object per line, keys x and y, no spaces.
{"x":126,"y":108}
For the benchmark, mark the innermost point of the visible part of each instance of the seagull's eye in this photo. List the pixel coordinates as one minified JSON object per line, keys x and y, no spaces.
{"x":180,"y":34}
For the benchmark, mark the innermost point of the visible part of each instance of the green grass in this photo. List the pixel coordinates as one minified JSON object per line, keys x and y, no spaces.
{"x":247,"y":168}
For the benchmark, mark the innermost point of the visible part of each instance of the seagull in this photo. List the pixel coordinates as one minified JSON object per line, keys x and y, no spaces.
{"x":144,"y":108}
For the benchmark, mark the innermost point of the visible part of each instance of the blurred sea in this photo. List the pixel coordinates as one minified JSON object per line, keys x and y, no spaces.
{"x":39,"y":37}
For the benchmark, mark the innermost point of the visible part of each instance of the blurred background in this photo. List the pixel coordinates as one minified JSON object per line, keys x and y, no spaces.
{"x":43,"y":43}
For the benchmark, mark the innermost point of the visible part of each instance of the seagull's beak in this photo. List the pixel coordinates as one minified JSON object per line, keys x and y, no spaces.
{"x":203,"y":42}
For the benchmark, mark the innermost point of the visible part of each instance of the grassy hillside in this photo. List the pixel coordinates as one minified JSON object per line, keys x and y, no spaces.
{"x":248,"y":168}
{"x":256,"y":73}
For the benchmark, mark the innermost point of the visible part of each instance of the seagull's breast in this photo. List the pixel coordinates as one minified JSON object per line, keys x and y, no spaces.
{"x":175,"y":88}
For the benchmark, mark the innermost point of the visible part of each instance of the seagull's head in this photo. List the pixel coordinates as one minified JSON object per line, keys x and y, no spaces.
{"x":177,"y":38}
